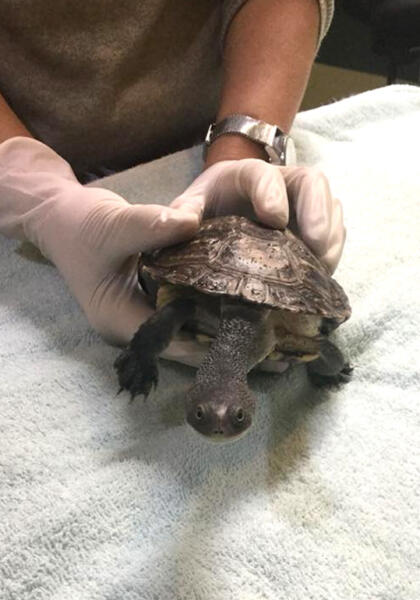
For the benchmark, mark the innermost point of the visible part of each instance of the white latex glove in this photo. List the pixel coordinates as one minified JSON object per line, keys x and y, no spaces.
{"x":274,"y":194}
{"x":92,"y":235}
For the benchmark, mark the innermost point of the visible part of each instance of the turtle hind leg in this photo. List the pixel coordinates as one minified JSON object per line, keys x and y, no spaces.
{"x":330,"y":368}
{"x":137,"y":364}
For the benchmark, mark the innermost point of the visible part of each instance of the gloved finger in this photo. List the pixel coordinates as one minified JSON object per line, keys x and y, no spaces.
{"x":260,"y":183}
{"x":194,"y":197}
{"x":118,"y":307}
{"x":337,"y":238}
{"x":120,"y":230}
{"x":214,"y":198}
{"x":309,"y":192}
{"x":187,"y":352}
{"x":246,"y":187}
{"x":214,"y":193}
{"x":160,"y":226}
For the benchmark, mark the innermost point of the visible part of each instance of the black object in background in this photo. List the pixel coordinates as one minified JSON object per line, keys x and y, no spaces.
{"x":375,"y":36}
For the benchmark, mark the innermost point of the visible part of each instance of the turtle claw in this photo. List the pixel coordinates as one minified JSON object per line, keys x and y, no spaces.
{"x":346,"y":373}
{"x":137,"y":374}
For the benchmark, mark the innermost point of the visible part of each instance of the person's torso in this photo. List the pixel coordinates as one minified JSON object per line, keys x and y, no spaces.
{"x":111,"y":82}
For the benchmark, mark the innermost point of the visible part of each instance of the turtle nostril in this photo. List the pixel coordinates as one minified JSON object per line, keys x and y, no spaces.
{"x":218,"y":431}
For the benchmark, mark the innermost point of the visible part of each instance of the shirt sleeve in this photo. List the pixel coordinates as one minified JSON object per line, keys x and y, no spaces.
{"x":231,"y":7}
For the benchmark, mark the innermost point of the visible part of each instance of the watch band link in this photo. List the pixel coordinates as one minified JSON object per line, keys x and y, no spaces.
{"x":271,"y":137}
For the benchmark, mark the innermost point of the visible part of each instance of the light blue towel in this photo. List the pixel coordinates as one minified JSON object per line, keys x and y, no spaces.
{"x":100,"y":499}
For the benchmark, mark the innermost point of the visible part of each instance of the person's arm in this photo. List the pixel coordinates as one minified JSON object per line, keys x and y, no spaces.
{"x":269,"y":50}
{"x":10,"y":124}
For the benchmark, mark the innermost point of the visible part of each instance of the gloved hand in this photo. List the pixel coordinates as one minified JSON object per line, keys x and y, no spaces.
{"x":274,"y":194}
{"x":92,"y":235}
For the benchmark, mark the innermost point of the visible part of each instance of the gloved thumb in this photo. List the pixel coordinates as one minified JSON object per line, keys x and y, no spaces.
{"x":244,"y":187}
{"x":152,"y":226}
{"x":120,"y":229}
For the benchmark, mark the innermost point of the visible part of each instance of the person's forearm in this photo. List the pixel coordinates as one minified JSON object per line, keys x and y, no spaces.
{"x":269,"y":51}
{"x":10,"y":124}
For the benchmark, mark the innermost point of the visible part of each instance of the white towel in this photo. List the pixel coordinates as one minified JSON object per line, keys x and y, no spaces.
{"x":100,"y":499}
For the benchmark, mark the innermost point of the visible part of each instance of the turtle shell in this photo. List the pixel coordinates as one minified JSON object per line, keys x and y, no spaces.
{"x":238,"y":257}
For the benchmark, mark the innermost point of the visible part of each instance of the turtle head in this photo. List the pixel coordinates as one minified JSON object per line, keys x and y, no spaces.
{"x":223,"y":412}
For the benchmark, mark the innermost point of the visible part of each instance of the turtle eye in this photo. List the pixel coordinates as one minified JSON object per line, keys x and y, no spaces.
{"x":199,"y":412}
{"x":239,"y":415}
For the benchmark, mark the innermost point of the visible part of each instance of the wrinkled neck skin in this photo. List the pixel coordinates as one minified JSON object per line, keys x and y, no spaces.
{"x":242,"y":341}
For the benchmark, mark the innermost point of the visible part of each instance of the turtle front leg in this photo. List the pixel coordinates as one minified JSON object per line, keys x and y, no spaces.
{"x":137,"y":365}
{"x":330,"y":368}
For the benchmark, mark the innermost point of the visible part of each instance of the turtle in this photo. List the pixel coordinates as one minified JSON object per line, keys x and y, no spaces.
{"x":250,"y":292}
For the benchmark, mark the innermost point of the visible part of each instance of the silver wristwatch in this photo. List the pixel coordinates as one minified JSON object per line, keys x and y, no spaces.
{"x":278,"y":146}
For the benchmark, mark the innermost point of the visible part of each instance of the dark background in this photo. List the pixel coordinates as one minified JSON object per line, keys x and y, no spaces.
{"x":348,"y":44}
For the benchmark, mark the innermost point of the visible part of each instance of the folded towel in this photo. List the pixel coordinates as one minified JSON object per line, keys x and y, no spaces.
{"x":100,"y":499}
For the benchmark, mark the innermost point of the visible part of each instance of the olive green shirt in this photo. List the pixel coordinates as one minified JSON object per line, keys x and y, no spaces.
{"x":113,"y":83}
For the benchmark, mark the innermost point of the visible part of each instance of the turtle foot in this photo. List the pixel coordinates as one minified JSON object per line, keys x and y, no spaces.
{"x":339,"y":378}
{"x":137,"y":374}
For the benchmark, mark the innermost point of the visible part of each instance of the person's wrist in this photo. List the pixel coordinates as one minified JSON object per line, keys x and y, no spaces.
{"x":233,"y":147}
